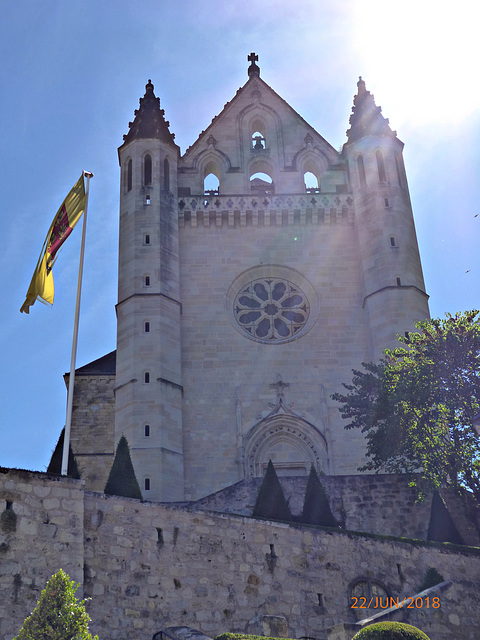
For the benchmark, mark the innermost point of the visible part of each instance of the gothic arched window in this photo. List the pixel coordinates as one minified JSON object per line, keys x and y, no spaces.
{"x":382,"y":176}
{"x":147,"y":170}
{"x":361,"y":171}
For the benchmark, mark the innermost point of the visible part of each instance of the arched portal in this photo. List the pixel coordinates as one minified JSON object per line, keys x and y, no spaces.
{"x":291,"y":443}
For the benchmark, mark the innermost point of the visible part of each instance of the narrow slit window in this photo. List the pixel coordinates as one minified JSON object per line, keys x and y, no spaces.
{"x":386,"y":202}
{"x":147,"y":200}
{"x":147,"y":238}
{"x":147,"y":431}
{"x":147,"y":170}
{"x":129,"y":175}
{"x":146,"y":377}
{"x":146,"y":326}
{"x":361,"y":171}
{"x":147,"y":484}
{"x":392,"y":241}
{"x":398,"y":281}
{"x":382,"y":176}
{"x":166,"y":175}
{"x":147,"y":281}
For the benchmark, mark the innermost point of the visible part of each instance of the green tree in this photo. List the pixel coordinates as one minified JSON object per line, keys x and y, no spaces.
{"x":271,"y":502}
{"x":58,"y":614}
{"x":316,"y":507}
{"x":416,"y":407}
{"x":122,"y":480}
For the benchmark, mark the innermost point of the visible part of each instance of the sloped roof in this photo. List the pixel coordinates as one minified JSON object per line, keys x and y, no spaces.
{"x":106,"y":365}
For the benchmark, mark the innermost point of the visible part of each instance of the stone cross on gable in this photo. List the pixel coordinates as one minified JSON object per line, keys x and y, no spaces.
{"x":253,"y":69}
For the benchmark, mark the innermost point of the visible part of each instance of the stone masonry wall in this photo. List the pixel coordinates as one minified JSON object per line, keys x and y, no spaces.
{"x":48,"y":536}
{"x":148,"y":566}
{"x":380,"y":504}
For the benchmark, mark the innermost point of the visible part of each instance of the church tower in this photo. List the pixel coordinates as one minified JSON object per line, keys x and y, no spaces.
{"x":394,"y":295}
{"x":256,"y":270}
{"x":148,"y":391}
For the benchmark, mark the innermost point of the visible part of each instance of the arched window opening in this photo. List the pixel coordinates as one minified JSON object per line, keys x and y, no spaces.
{"x":147,"y":484}
{"x":146,"y":431}
{"x":166,"y":175}
{"x":146,"y":377}
{"x":146,"y":326}
{"x":129,"y":175}
{"x":261,"y":182}
{"x":258,"y":141}
{"x":211,"y":185}
{"x":146,"y":239}
{"x":400,"y":171}
{"x":147,"y":170}
{"x":147,"y":281}
{"x":371,"y":590}
{"x":361,"y":171}
{"x":311,"y":182}
{"x":382,"y":176}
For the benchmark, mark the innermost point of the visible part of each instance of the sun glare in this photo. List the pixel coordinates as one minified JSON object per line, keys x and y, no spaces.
{"x":419,"y":57}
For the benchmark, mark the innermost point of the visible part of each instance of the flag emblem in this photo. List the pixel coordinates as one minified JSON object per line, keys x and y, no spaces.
{"x":41,"y":286}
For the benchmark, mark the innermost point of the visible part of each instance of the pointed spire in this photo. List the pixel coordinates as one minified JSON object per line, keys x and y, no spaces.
{"x":253,"y":69}
{"x":366,"y":118}
{"x":149,"y":119}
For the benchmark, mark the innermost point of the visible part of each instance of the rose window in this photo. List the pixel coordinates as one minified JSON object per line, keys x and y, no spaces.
{"x":271,"y":309}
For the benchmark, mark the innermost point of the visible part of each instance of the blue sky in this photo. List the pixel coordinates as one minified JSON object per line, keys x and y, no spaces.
{"x":71,"y":76}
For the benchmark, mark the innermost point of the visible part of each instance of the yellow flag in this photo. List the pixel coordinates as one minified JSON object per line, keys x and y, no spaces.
{"x":41,"y":287}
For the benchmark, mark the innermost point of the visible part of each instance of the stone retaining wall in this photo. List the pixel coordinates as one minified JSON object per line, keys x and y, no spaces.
{"x":149,"y":566}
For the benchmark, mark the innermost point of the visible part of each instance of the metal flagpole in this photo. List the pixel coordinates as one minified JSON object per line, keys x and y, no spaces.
{"x":71,"y":379}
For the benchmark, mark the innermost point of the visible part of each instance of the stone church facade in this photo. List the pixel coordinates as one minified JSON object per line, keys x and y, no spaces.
{"x":242,"y":308}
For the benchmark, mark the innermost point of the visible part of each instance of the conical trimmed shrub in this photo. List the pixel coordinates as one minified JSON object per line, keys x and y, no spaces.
{"x":58,"y":614}
{"x":55,"y":464}
{"x":441,"y":527}
{"x":122,"y":480}
{"x":271,"y":503}
{"x":316,"y":507}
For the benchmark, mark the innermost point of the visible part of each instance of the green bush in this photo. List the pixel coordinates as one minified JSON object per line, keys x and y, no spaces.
{"x":122,"y":480}
{"x":58,"y":614}
{"x":316,"y":508}
{"x":271,"y":503}
{"x":390,"y":631}
{"x":244,"y":636}
{"x":55,"y":464}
